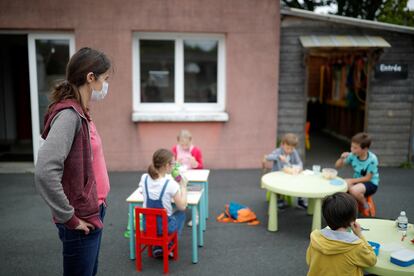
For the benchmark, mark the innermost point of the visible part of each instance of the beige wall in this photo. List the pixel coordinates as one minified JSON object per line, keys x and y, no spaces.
{"x":251,"y":29}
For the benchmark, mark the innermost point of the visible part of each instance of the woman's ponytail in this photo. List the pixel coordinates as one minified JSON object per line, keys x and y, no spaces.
{"x":153,"y":172}
{"x":62,"y":91}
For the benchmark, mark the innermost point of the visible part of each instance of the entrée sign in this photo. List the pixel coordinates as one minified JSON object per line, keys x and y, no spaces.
{"x":391,"y":71}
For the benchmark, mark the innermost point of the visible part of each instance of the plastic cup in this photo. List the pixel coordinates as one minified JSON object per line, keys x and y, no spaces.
{"x":296,"y":169}
{"x":316,"y":169}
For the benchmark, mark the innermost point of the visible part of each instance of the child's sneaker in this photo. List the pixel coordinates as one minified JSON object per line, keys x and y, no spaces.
{"x":302,"y":203}
{"x":371,"y":206}
{"x":365,"y":212}
{"x":281,"y":204}
{"x":190,"y":223}
{"x":157,"y":252}
{"x":360,"y":208}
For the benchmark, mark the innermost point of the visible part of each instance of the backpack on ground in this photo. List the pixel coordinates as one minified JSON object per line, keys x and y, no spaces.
{"x":238,"y":213}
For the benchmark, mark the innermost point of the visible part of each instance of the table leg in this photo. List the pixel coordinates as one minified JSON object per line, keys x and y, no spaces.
{"x":311,"y":206}
{"x":206,"y":199}
{"x":272,"y":223}
{"x":205,"y":195}
{"x":202,"y":222}
{"x":194,"y":232}
{"x":131,"y":232}
{"x":204,"y":211}
{"x":316,"y":221}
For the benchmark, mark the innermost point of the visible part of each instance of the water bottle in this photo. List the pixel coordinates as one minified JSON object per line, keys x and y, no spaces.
{"x":176,"y":172}
{"x":402,"y":222}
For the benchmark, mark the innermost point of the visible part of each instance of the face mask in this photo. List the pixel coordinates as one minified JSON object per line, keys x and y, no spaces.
{"x":99,"y":95}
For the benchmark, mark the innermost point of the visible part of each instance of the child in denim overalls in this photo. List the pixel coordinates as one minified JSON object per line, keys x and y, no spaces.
{"x":158,"y":192}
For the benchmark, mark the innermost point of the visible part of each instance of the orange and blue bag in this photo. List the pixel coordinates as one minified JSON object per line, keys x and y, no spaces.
{"x":238,"y":213}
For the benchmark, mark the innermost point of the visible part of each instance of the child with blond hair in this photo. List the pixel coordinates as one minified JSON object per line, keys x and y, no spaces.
{"x":186,"y":153}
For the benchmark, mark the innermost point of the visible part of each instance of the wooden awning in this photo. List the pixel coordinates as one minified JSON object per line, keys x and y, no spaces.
{"x":343,"y":41}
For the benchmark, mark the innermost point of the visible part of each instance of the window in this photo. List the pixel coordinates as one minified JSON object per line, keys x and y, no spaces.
{"x":178,"y":77}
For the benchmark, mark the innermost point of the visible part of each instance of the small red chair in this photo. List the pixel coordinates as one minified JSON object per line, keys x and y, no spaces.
{"x":149,"y":237}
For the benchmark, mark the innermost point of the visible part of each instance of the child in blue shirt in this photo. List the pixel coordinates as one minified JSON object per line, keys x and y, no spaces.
{"x":284,"y":158}
{"x":366,"y":177}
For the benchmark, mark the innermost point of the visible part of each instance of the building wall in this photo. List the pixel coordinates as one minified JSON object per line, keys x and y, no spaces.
{"x":390,"y":103}
{"x":251,"y":30}
{"x":390,"y":110}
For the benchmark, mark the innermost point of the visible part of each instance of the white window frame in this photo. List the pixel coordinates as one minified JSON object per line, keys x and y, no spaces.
{"x":32,"y":37}
{"x":178,"y":111}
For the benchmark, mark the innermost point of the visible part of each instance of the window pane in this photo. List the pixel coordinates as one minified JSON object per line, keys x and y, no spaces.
{"x":157,"y":71}
{"x":51,"y":59}
{"x":200,"y":71}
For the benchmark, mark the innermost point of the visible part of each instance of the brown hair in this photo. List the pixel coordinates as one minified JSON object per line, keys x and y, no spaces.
{"x":339,"y":210}
{"x":362,"y":139}
{"x":80,"y":64}
{"x":290,"y":139}
{"x":160,"y":158}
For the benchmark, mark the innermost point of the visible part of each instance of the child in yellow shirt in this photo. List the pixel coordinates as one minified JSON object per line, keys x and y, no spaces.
{"x":340,"y":249}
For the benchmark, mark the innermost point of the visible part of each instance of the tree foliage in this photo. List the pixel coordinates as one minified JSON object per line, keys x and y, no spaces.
{"x":364,"y":9}
{"x":396,"y":12}
{"x":309,"y":5}
{"x":389,"y":11}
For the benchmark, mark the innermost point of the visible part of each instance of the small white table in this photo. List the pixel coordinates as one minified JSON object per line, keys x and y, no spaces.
{"x":385,"y":233}
{"x":194,"y":200}
{"x":314,"y":187}
{"x":200,"y":177}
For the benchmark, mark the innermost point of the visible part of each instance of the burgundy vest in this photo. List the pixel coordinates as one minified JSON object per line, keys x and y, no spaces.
{"x":78,"y":179}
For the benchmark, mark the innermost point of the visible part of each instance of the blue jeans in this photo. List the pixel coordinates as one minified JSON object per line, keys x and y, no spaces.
{"x":176,"y":222}
{"x":80,"y":251}
{"x":102,"y":212}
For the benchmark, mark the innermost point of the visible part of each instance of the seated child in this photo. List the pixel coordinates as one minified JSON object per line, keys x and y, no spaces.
{"x":158,"y":191}
{"x":185,"y":153}
{"x":284,"y":158}
{"x":366,"y":177}
{"x":340,"y":249}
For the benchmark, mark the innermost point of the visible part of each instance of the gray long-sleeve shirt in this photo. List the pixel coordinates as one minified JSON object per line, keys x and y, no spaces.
{"x":292,"y":159}
{"x":50,"y":163}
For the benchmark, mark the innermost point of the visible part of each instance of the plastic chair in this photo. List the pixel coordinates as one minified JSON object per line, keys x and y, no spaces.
{"x":307,"y":137}
{"x":372,"y":209}
{"x":150,"y":238}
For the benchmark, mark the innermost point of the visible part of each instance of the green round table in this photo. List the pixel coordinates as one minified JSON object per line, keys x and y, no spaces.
{"x":385,"y":233}
{"x":313,"y":187}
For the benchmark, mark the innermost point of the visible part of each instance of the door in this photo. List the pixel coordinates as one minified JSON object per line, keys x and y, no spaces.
{"x":48,"y":56}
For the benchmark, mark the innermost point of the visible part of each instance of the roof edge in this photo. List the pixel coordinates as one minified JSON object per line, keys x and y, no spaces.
{"x":347,"y":20}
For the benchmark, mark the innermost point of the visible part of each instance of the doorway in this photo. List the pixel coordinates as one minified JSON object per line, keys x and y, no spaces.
{"x":16,"y":142}
{"x":30,"y":65}
{"x":337,"y":86}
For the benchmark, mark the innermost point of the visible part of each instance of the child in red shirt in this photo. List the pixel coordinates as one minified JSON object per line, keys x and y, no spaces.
{"x":186,"y":153}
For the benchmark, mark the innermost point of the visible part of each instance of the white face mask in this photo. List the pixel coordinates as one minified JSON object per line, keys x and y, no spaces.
{"x":99,"y":95}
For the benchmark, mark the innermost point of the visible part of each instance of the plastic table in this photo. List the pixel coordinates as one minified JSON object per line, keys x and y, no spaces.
{"x":386,"y":234}
{"x":200,"y":177}
{"x":313,"y":187}
{"x":194,"y":200}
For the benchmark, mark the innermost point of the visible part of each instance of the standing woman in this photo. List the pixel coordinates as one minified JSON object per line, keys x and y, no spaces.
{"x":71,"y":173}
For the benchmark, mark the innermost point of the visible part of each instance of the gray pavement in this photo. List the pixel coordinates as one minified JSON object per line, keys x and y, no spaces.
{"x":29,"y":243}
